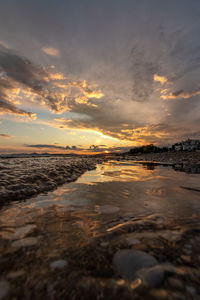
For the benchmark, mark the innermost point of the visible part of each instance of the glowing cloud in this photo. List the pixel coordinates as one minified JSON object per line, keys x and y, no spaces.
{"x":181,"y":94}
{"x":51,"y":51}
{"x":161,"y":79}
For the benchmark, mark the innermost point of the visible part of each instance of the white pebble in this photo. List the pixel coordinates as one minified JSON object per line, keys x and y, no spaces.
{"x":58,"y":264}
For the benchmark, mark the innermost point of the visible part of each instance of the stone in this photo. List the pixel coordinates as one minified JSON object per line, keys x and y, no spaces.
{"x":152,"y":277}
{"x":159,"y":294}
{"x":186,"y":259}
{"x":4,"y":289}
{"x":131,"y":241}
{"x":176,"y":283}
{"x":128,"y":262}
{"x":191,"y":290}
{"x":30,"y":241}
{"x":104,"y":244}
{"x":168,"y":268}
{"x":108,"y":209}
{"x":16,"y":274}
{"x":140,"y":247}
{"x":58,"y":264}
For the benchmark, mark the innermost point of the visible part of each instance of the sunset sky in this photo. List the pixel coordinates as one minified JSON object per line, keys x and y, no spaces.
{"x":88,"y":76}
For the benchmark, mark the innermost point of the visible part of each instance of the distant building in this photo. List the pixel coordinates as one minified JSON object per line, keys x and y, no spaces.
{"x":187,"y":145}
{"x":178,"y":147}
{"x":190,"y":145}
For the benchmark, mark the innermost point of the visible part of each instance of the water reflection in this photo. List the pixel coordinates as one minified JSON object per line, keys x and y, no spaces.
{"x":77,"y":212}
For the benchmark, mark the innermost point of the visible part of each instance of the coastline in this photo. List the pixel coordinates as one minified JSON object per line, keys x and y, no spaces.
{"x":181,"y":161}
{"x":21,"y":178}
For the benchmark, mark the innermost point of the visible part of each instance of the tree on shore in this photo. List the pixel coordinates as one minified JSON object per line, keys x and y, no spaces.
{"x":148,"y":149}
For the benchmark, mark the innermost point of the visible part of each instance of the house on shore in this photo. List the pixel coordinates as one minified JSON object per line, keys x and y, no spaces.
{"x":188,"y":145}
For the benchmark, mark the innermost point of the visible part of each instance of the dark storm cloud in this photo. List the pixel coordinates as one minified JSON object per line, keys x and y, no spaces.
{"x":17,"y":71}
{"x":51,"y":88}
{"x":6,"y":104}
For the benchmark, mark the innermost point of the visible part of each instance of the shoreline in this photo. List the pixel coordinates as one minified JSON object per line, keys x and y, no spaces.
{"x":188,"y":162}
{"x":173,"y":158}
{"x":21,"y":179}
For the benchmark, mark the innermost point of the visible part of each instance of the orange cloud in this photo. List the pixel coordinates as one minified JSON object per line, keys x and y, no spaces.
{"x":181,"y":94}
{"x":161,"y":79}
{"x":51,"y":51}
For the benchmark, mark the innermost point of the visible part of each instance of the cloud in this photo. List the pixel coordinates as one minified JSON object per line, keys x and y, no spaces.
{"x":181,"y":94}
{"x":161,"y":79}
{"x":51,"y":51}
{"x":119,"y":89}
{"x":3,"y":44}
{"x":6,"y":136}
{"x":47,"y":146}
{"x":45,"y":87}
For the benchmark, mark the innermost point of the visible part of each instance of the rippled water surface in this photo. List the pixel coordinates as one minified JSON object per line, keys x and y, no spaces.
{"x":98,"y":201}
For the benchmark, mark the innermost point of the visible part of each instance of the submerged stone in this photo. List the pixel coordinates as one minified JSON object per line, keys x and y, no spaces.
{"x":128,"y":262}
{"x":152,"y":277}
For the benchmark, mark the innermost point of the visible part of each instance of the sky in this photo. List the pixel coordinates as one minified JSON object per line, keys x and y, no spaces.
{"x":89,"y":76}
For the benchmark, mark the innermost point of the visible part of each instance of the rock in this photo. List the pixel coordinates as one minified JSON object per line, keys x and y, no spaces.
{"x":58,"y":264}
{"x":4,"y":289}
{"x":191,"y":290}
{"x":128,"y":262}
{"x":186,"y":259}
{"x":108,"y":209}
{"x":176,"y":283}
{"x":131,"y":241}
{"x":16,"y":274}
{"x":168,"y":268}
{"x":104,"y":244}
{"x":140,"y":247}
{"x":30,"y":241}
{"x":152,"y":277}
{"x":159,"y":294}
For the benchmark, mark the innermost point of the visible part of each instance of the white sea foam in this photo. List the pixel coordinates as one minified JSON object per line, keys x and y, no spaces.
{"x":24,"y":177}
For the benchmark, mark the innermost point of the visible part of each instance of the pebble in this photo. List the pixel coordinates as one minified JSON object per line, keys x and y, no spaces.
{"x":191,"y":290}
{"x":176,"y":283}
{"x":31,"y":241}
{"x":108,"y":209}
{"x":58,"y":264}
{"x":186,"y":259}
{"x":128,"y":262}
{"x":132,"y":241}
{"x":140,"y":247}
{"x":104,"y":244}
{"x":4,"y":289}
{"x":159,"y":294}
{"x":16,"y":274}
{"x":152,"y":277}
